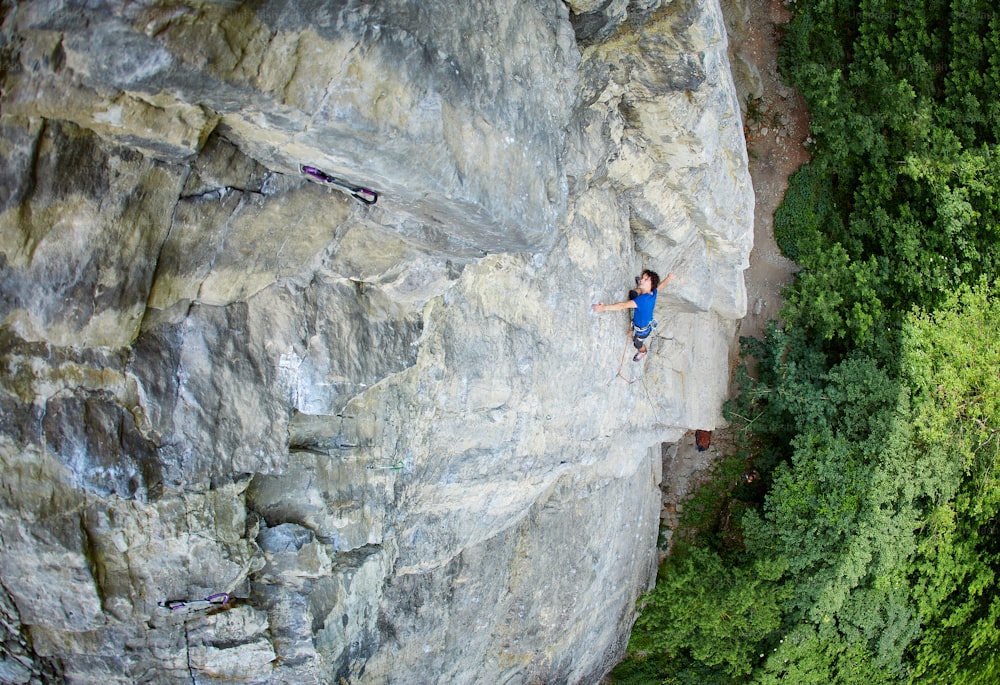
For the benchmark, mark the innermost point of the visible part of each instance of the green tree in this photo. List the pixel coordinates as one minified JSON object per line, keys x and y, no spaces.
{"x":706,"y":619}
{"x":841,"y":512}
{"x":952,"y":358}
{"x":873,"y":412}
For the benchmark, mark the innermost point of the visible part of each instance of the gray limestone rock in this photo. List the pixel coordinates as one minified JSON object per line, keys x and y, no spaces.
{"x":453,"y":111}
{"x":395,"y":434}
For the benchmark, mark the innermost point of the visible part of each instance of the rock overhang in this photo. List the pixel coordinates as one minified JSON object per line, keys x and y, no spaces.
{"x":427,"y":104}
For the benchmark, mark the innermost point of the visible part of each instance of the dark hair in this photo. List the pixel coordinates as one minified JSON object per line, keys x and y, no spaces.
{"x":654,"y":278}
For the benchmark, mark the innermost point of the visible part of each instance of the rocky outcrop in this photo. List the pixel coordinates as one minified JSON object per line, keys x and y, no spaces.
{"x":395,"y":433}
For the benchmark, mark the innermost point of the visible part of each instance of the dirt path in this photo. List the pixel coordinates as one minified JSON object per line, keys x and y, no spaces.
{"x":776,"y":124}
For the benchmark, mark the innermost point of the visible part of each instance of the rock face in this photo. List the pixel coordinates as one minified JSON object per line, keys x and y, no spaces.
{"x":395,"y":433}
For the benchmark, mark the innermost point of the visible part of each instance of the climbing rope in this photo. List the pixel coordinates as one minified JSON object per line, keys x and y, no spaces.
{"x":621,"y":364}
{"x":641,"y":377}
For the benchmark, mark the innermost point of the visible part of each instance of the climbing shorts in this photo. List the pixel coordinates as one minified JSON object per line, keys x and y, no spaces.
{"x":639,"y":335}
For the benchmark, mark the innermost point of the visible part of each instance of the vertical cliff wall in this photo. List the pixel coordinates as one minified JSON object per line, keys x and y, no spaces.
{"x":395,"y":433}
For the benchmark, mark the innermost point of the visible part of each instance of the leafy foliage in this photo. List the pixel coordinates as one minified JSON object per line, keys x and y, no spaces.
{"x":899,"y":203}
{"x":705,"y":619}
{"x":955,"y":376}
{"x":872,"y":552}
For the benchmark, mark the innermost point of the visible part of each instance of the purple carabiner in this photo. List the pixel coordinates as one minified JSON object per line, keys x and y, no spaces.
{"x":369,"y":197}
{"x":318,"y":174}
{"x":218,"y":598}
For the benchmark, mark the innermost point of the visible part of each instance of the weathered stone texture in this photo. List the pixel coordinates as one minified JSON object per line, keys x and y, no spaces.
{"x":356,"y":88}
{"x":396,"y":434}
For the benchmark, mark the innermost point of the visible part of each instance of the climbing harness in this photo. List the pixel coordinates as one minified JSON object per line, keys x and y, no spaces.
{"x":644,"y":331}
{"x":181,"y":605}
{"x":398,"y":466}
{"x":366,"y":195}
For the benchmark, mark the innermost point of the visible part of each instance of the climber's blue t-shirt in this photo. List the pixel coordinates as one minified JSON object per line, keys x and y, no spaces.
{"x":644,"y":305}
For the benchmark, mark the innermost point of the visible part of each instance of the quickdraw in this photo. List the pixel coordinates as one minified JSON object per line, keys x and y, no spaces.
{"x":366,"y":195}
{"x":398,"y":466}
{"x":217,"y":599}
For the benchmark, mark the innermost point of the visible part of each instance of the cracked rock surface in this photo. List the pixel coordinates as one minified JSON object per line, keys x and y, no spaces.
{"x":395,"y":434}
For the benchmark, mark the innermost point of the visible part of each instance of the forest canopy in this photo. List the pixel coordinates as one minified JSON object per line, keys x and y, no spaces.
{"x":867,"y":547}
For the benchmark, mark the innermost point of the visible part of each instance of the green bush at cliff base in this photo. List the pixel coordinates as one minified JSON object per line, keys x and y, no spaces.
{"x":900,"y":202}
{"x":873,"y":556}
{"x":696,"y":631}
{"x":873,"y":415}
{"x":953,"y":363}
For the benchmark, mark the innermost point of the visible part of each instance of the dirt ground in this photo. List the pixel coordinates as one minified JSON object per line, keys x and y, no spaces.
{"x":776,"y":125}
{"x":776,"y":128}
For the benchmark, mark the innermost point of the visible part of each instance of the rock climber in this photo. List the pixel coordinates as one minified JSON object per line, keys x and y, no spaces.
{"x":642,"y":300}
